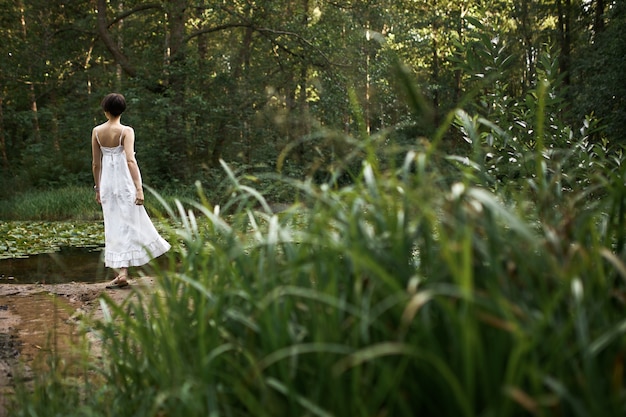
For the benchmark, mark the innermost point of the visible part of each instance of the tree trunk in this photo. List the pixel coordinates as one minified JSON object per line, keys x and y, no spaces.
{"x":3,"y":145}
{"x":435,"y":73}
{"x":291,"y":105}
{"x":202,"y":53}
{"x":35,"y":114}
{"x":176,"y":136}
{"x":303,"y":113}
{"x":527,"y":35}
{"x":54,"y":128}
{"x":108,"y":41}
{"x":218,"y":146}
{"x":241,"y":62}
{"x":564,"y":12}
{"x":367,"y":109}
{"x":458,"y":73}
{"x":599,"y":17}
{"x":120,"y":44}
{"x":31,"y":85}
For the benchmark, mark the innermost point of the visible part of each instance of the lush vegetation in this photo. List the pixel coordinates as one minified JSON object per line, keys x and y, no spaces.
{"x":253,"y":82}
{"x":64,"y":203}
{"x":457,"y":250}
{"x":434,"y":284}
{"x":21,"y":239}
{"x":72,"y":202}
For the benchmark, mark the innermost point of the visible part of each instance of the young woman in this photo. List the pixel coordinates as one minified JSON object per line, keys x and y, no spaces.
{"x":130,"y":238}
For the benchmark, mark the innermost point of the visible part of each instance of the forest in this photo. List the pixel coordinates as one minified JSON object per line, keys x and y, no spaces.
{"x":376,"y":208}
{"x":280,"y":85}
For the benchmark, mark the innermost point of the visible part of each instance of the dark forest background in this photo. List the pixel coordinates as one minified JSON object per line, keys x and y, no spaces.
{"x":287,"y":85}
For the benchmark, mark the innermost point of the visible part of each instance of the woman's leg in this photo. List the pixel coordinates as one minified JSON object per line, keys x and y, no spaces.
{"x":120,"y":280}
{"x":122,"y":274}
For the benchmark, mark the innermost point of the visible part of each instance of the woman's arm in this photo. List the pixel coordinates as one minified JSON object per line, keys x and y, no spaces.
{"x":133,"y":167}
{"x":96,"y":163}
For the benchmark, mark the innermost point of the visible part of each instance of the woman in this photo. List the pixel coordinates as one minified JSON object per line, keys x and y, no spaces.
{"x":130,"y":238}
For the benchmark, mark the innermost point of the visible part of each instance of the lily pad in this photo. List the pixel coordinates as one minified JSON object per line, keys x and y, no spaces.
{"x":20,"y":239}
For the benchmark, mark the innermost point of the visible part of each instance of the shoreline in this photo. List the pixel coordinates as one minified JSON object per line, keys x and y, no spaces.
{"x":30,"y":313}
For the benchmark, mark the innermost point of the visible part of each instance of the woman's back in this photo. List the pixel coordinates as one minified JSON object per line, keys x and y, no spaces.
{"x":130,"y":238}
{"x":109,"y":135}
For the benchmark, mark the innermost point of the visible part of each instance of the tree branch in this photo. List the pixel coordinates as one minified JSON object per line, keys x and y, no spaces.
{"x":110,"y":44}
{"x":298,"y":37}
{"x":216,"y":29}
{"x":139,"y":8}
{"x":263,"y":31}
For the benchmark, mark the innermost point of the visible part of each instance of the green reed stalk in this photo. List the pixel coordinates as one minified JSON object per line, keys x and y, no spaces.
{"x":415,"y":290}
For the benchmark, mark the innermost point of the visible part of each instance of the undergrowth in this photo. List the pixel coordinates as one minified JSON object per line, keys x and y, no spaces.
{"x":436,"y":286}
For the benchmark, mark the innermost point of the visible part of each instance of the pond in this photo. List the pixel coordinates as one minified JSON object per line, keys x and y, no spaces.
{"x":78,"y":264}
{"x":51,"y":252}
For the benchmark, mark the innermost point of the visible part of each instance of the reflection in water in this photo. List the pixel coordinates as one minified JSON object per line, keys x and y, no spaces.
{"x":79,"y":264}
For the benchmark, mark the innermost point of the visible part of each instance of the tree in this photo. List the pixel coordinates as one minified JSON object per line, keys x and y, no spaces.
{"x":599,"y":74}
{"x":238,"y":81}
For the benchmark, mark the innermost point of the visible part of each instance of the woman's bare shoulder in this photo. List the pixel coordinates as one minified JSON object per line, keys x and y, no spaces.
{"x":98,"y":128}
{"x":128,"y":131}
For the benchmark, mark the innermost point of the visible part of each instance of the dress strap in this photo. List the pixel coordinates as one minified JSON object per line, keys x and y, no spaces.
{"x":98,"y":139}
{"x":121,"y":133}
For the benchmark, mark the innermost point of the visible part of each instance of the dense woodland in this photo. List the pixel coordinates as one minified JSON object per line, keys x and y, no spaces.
{"x":285,"y":83}
{"x":475,"y":265}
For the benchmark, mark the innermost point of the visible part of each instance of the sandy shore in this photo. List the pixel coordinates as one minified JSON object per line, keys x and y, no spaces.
{"x":28,"y":313}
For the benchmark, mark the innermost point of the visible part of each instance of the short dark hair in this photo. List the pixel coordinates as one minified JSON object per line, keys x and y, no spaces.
{"x":114,"y":103}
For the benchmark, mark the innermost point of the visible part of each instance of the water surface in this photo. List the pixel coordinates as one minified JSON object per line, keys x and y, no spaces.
{"x":70,"y":263}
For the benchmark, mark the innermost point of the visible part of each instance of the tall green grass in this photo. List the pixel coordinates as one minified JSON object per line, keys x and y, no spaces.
{"x":71,"y":202}
{"x":399,"y":296}
{"x":417,"y":290}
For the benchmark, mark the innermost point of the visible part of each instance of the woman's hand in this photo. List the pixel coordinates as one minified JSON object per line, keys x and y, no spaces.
{"x":98,"y":197}
{"x":139,"y":197}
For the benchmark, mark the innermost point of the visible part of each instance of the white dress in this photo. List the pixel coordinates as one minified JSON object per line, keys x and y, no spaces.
{"x":130,"y":238}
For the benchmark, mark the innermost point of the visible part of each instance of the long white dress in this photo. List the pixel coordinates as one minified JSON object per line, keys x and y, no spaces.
{"x":130,"y":238}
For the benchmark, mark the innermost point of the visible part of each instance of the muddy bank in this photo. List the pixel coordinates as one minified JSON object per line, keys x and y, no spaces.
{"x":28,"y":313}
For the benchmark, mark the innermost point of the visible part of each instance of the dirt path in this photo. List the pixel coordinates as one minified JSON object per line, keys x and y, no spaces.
{"x":28,"y":313}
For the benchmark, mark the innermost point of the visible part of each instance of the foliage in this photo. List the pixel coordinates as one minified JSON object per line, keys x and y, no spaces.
{"x":66,"y":203}
{"x":472,"y":264}
{"x":239,"y":82}
{"x":77,"y":203}
{"x":19,"y":239}
{"x":422,"y":288}
{"x":604,"y":92}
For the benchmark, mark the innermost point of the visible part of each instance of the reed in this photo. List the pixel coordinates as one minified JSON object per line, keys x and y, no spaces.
{"x":424,"y":288}
{"x":390,"y":297}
